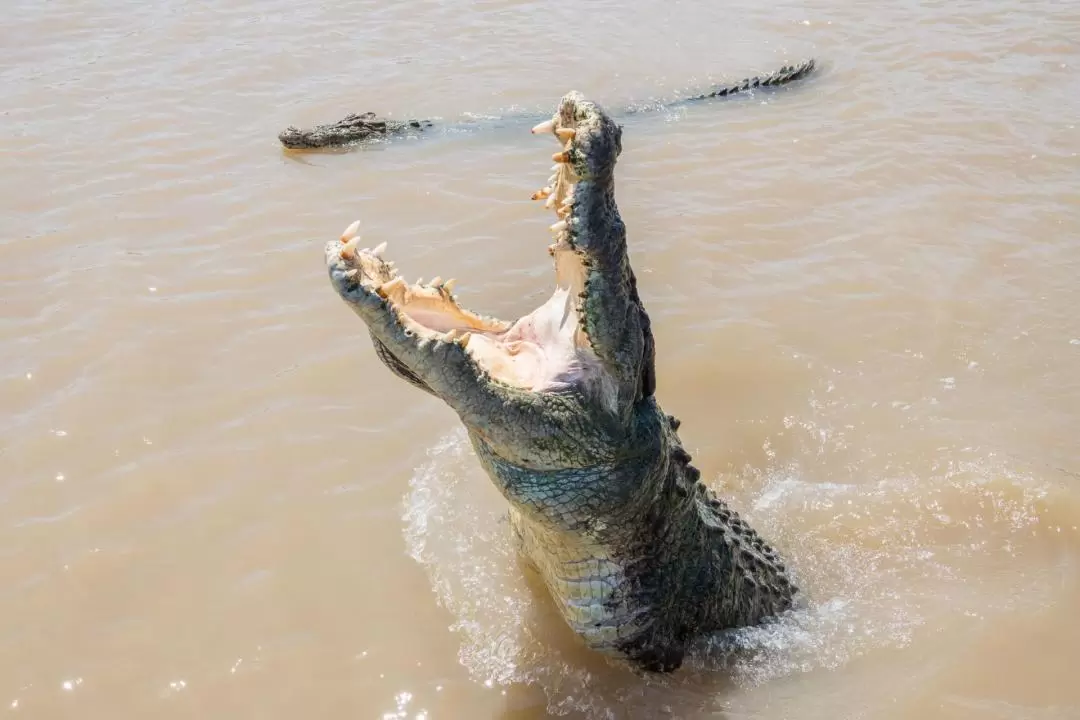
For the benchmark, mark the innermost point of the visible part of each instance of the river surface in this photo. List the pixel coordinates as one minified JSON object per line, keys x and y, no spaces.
{"x":216,"y":503}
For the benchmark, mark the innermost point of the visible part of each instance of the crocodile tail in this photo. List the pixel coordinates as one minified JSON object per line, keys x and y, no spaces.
{"x":783,"y":76}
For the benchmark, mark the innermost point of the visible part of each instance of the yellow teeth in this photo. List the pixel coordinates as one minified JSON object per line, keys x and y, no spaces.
{"x":550,"y":202}
{"x":457,"y":335}
{"x":563,"y":211}
{"x":348,"y":251}
{"x":544,"y":127}
{"x":561,"y":157}
{"x":449,"y":284}
{"x":558,"y":227}
{"x":436,"y":281}
{"x":566,"y":133}
{"x":379,"y":250}
{"x":542,"y":193}
{"x":396,"y":286}
{"x":351,"y":231}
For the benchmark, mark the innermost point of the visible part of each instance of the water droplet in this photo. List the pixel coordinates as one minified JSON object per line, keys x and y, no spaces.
{"x":147,"y":440}
{"x":948,"y":383}
{"x":59,"y":477}
{"x":236,"y":665}
{"x":1075,"y":341}
{"x":29,"y":376}
{"x":152,"y":289}
{"x":14,"y":703}
{"x":60,"y":433}
{"x":177,"y":685}
{"x":438,"y":688}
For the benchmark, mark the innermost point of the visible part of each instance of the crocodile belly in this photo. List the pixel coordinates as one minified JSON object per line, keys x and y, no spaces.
{"x":586,"y":584}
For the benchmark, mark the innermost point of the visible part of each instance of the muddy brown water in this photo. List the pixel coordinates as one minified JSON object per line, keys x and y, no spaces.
{"x":216,"y":503}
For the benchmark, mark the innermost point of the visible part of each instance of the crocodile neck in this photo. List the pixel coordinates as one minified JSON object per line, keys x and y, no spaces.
{"x":645,"y":556}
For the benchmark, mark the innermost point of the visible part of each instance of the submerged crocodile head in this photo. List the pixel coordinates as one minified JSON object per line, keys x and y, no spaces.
{"x":353,"y":128}
{"x":560,"y":408}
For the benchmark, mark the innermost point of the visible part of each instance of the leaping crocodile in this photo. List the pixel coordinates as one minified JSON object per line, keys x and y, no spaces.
{"x":640,"y":557}
{"x":356,"y":128}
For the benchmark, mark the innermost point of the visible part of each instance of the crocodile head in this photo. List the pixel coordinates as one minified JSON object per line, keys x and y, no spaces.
{"x":353,"y":128}
{"x":557,"y":387}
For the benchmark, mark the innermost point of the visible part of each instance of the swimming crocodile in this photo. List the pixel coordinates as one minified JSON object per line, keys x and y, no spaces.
{"x":640,"y":557}
{"x":359,"y":127}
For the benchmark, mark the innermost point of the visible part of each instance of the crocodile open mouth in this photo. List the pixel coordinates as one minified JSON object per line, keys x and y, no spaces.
{"x":543,"y":350}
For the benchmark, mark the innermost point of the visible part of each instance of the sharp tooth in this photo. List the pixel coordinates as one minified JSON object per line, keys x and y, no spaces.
{"x":561,"y":157}
{"x":348,"y":251}
{"x":379,"y":250}
{"x":550,"y":202}
{"x":463,"y":341}
{"x":544,"y":127}
{"x":419,"y":281}
{"x":563,"y":211}
{"x":351,"y":231}
{"x":552,"y":179}
{"x":452,"y":335}
{"x":449,"y":284}
{"x":556,"y":168}
{"x":566,"y":133}
{"x":436,"y":281}
{"x":568,"y":200}
{"x":541,"y":193}
{"x":391,"y":286}
{"x":558,"y":227}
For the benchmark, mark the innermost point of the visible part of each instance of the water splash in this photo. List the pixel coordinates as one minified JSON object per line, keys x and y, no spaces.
{"x":878,"y":559}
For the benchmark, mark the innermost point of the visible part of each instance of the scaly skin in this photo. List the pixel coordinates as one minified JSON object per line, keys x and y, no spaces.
{"x":351,"y":129}
{"x":639,"y":556}
{"x":356,"y":128}
{"x":783,"y":76}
